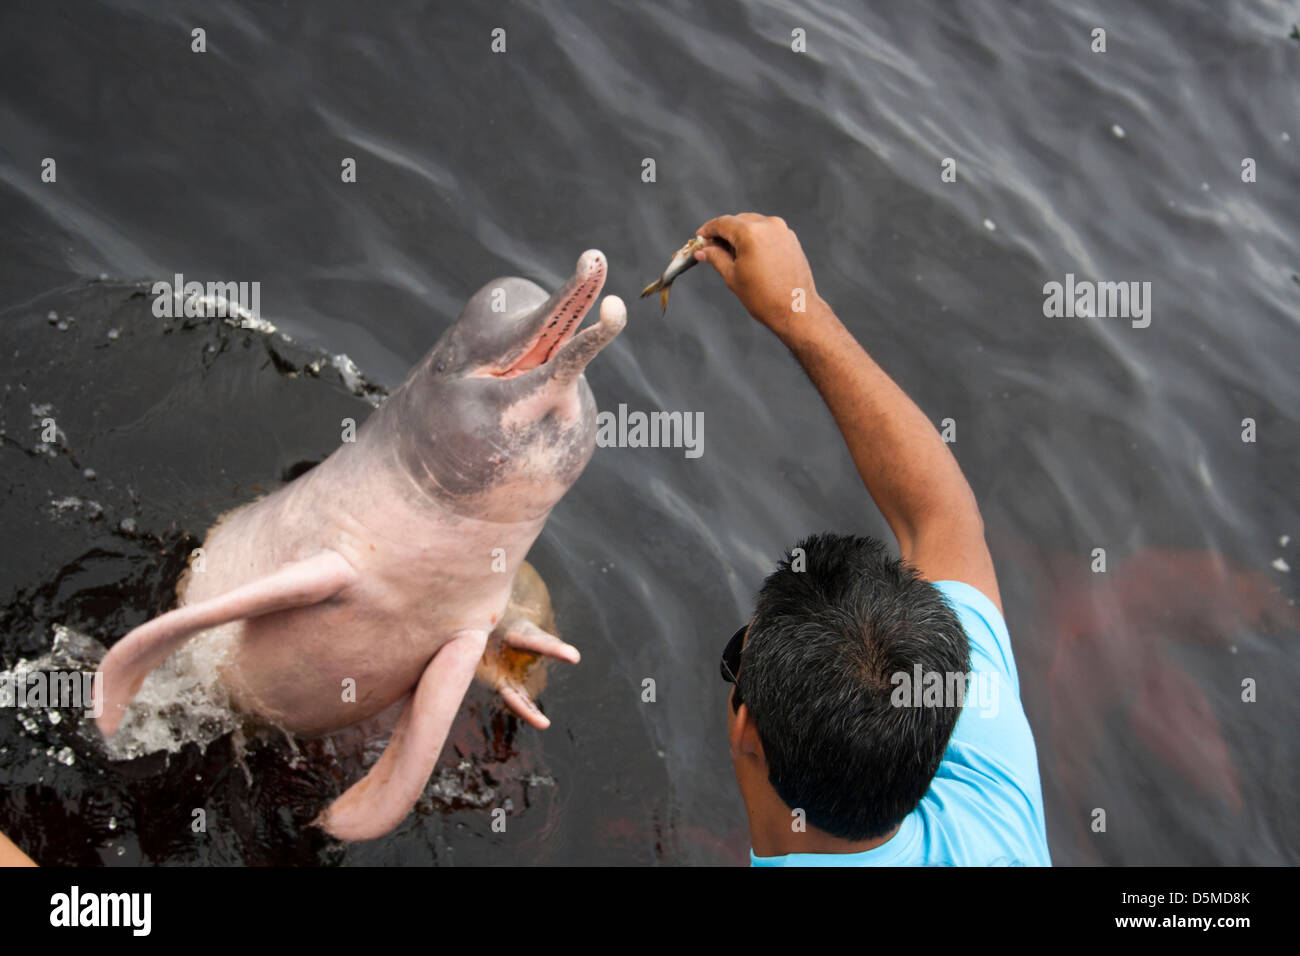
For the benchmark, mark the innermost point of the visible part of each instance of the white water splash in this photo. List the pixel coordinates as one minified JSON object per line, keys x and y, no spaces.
{"x":181,"y":702}
{"x":354,"y":379}
{"x":228,"y":310}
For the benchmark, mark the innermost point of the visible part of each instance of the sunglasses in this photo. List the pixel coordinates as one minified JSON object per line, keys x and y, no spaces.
{"x":730,"y":664}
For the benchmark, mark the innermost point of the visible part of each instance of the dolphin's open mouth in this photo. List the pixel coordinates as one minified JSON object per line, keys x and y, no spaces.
{"x":560,"y":317}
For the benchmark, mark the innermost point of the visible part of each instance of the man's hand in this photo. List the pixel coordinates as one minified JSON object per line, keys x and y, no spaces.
{"x":764,"y":265}
{"x":10,"y":855}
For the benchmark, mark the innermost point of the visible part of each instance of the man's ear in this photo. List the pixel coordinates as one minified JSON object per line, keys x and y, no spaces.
{"x":743,"y":735}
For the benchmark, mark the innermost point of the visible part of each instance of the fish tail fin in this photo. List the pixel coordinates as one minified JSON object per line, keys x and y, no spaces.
{"x":663,"y":297}
{"x":652,"y":287}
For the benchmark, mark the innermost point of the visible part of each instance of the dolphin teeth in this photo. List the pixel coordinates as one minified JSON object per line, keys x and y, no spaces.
{"x":572,"y":310}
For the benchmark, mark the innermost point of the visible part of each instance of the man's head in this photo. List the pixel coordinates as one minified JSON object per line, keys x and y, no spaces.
{"x":836,"y":621}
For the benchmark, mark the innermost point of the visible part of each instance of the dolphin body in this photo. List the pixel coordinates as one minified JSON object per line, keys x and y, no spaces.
{"x":383,"y":573}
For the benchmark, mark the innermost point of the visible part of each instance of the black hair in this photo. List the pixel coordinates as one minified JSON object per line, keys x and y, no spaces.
{"x":836,"y":621}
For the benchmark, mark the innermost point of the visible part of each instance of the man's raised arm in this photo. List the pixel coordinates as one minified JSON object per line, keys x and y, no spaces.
{"x":907,"y":468}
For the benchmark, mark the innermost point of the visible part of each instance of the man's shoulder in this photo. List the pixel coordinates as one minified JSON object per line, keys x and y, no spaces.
{"x":985,"y":627}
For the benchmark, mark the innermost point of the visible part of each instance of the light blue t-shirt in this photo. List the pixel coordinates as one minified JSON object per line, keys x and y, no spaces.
{"x":985,"y":805}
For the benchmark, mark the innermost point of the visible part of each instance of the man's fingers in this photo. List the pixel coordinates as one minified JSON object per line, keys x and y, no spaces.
{"x":730,"y":228}
{"x":720,"y":259}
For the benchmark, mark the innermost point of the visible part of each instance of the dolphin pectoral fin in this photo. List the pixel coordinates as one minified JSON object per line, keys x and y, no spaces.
{"x":513,"y":682}
{"x":131,"y":659}
{"x":527,"y":636}
{"x":380,"y":800}
{"x":510,"y":663}
{"x":521,"y":702}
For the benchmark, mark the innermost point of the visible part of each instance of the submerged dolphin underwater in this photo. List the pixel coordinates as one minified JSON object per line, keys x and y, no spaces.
{"x":385,"y":572}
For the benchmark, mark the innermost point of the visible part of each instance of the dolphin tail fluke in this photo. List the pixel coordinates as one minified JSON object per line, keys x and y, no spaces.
{"x":135,"y":656}
{"x":380,"y":800}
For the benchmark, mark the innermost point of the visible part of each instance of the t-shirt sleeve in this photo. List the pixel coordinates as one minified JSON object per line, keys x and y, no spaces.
{"x":990,"y":643}
{"x":988,"y":780}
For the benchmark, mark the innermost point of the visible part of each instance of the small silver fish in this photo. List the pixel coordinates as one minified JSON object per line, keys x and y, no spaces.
{"x":682,"y":260}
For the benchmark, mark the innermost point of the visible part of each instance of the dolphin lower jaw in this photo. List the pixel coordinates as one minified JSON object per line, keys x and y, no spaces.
{"x":552,"y":384}
{"x":545,"y":330}
{"x":513,"y":468}
{"x":569,"y":361}
{"x":517,"y":492}
{"x":541,"y":445}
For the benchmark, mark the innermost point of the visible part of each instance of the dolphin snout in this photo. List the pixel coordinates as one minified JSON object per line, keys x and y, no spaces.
{"x":550,"y":326}
{"x":574,"y":357}
{"x":613,"y":311}
{"x":590,"y":263}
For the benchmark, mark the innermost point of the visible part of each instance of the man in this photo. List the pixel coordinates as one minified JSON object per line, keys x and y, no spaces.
{"x":10,"y":855}
{"x":850,"y":742}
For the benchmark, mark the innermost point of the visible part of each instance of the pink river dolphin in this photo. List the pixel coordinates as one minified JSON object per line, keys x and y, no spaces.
{"x":385,"y":572}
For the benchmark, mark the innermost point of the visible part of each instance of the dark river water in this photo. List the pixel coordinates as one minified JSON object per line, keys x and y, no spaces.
{"x":1160,"y":690}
